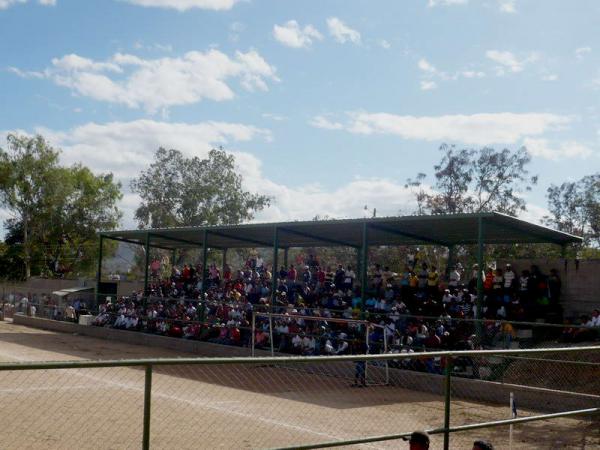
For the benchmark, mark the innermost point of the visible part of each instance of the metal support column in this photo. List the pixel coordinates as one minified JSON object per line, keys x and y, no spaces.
{"x":173,"y":257}
{"x":147,"y":264}
{"x":285,"y":257}
{"x":275,"y":266}
{"x":224,"y":263}
{"x":99,"y":273}
{"x":147,"y":408}
{"x":364,"y":265}
{"x":480,"y":249}
{"x":447,"y":391}
{"x":204,"y":268}
{"x":450,"y":259}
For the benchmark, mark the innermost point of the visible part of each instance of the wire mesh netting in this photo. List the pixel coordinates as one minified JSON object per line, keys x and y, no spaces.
{"x":72,"y":408}
{"x":262,"y":406}
{"x":285,"y":403}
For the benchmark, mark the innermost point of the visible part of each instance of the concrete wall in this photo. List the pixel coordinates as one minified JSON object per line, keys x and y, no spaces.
{"x":580,"y":283}
{"x":46,"y":286}
{"x":537,"y":399}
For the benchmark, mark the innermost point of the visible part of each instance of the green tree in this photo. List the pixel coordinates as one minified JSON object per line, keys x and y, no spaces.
{"x":475,"y":180}
{"x":55,"y":211}
{"x":575,"y":208}
{"x":180,"y":191}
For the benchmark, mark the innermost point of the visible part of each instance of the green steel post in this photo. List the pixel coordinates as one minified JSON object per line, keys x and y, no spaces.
{"x":450,"y":259}
{"x":364,"y":264}
{"x":173,"y":257}
{"x":447,"y":390}
{"x":285,"y":257}
{"x":147,"y":407}
{"x":147,"y":264}
{"x":479,"y":276}
{"x":204,"y":260}
{"x":563,"y":251}
{"x":224,"y":262}
{"x":275,"y":266}
{"x":99,"y":273}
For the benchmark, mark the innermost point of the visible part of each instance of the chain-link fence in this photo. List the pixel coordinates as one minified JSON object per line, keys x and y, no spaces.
{"x":305,"y":402}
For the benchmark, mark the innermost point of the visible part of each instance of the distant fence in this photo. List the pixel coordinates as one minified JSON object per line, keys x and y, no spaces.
{"x":295,"y":402}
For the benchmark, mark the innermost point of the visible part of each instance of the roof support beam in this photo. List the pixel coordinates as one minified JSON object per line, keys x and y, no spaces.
{"x":407,"y":234}
{"x":318,"y":238}
{"x":241,"y":239}
{"x":129,"y":241}
{"x":181,"y":241}
{"x":542,"y":238}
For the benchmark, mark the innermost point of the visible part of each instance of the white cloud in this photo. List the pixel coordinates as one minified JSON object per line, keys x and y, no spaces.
{"x":550,"y":77}
{"x":156,"y":84}
{"x":292,"y":35}
{"x":275,"y":117}
{"x":433,"y":3}
{"x":125,"y":148}
{"x":25,"y":73}
{"x":425,"y":66}
{"x":385,"y":44}
{"x":507,"y":6}
{"x":324,"y":123}
{"x":427,"y":85}
{"x":5,"y":4}
{"x":342,"y":32}
{"x":184,"y":5}
{"x":430,"y":72}
{"x":472,"y":74}
{"x":508,"y":61}
{"x":581,"y":52}
{"x":563,"y":150}
{"x":475,"y":129}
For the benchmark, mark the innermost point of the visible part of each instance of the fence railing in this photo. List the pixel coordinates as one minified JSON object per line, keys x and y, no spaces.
{"x":296,"y":402}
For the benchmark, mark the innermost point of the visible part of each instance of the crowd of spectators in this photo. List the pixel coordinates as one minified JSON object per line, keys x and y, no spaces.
{"x":419,"y":307}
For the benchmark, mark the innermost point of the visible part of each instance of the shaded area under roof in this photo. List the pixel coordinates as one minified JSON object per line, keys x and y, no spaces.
{"x":443,"y":229}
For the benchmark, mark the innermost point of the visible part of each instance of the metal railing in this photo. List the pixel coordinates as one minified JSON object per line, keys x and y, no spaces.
{"x":323,"y":369}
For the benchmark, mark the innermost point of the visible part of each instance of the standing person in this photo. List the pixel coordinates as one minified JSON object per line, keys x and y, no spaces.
{"x":433,"y":279}
{"x":339,"y":277}
{"x":360,"y":367}
{"x":482,"y":445}
{"x":418,"y":440}
{"x":349,"y":278}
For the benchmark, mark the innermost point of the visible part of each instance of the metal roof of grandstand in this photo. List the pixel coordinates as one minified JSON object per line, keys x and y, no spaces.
{"x":442,"y":229}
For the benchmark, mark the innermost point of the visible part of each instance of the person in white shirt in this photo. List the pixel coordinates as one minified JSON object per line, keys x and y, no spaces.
{"x":509,"y":278}
{"x":297,"y":343}
{"x":454,"y":278}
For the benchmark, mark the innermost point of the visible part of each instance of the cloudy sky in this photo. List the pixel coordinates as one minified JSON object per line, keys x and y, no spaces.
{"x":327,"y":105}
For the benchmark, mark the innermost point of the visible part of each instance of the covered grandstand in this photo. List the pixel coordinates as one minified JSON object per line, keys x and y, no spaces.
{"x":448,"y":230}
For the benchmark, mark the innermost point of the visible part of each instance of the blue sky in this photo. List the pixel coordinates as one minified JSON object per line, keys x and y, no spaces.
{"x":327,"y":105}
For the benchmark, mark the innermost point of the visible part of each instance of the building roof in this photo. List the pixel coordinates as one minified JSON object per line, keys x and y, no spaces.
{"x":442,"y":229}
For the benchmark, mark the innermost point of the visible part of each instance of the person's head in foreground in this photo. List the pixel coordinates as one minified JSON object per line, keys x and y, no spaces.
{"x":482,"y":445}
{"x":418,"y":440}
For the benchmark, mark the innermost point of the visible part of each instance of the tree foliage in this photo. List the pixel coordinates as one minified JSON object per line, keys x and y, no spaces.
{"x":180,"y":191}
{"x":55,"y":211}
{"x":475,"y":180}
{"x":575,"y":208}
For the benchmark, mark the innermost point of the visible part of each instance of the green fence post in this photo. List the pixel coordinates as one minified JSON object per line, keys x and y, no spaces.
{"x":147,"y":406}
{"x":364,"y":265}
{"x":275,"y":267}
{"x":480,"y":251}
{"x":99,"y":273}
{"x":204,"y":263}
{"x":447,"y":389}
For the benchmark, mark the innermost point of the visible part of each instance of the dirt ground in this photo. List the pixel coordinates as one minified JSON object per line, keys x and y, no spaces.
{"x":224,"y":406}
